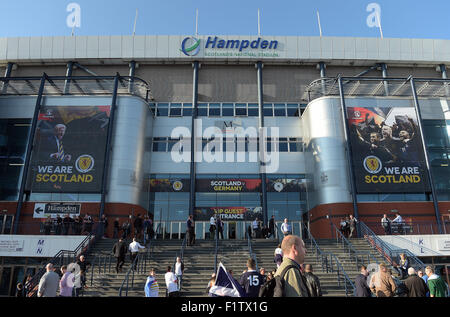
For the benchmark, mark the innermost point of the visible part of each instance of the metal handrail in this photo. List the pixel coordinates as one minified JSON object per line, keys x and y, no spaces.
{"x":352,"y":252}
{"x":385,"y":251}
{"x":141,"y":267}
{"x":216,"y":251}
{"x":59,"y":259}
{"x":328,"y":264}
{"x":181,"y":254}
{"x":250,"y":250}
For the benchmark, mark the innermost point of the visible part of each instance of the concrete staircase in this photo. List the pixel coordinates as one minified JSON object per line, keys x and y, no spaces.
{"x":199,"y":265}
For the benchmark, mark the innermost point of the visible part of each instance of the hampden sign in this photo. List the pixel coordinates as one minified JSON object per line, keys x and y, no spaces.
{"x":218,"y":47}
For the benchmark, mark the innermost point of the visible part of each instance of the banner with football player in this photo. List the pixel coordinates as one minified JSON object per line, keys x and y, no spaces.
{"x":387,"y":150}
{"x":69,"y":149}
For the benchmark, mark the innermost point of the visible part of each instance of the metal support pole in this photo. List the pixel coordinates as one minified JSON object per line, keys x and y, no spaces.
{"x":425,"y":152}
{"x":69,"y":75}
{"x":259,"y":66}
{"x":444,"y":76}
{"x":26,"y":166}
{"x":108,"y":146}
{"x":349,"y":151}
{"x":322,"y":68}
{"x":385,"y":75}
{"x":195,"y":65}
{"x":8,"y":72}
{"x":132,"y":72}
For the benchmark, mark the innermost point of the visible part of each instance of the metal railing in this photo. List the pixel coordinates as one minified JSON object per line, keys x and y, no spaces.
{"x":216,"y":251}
{"x":408,"y":228}
{"x":387,"y":252}
{"x":358,"y":256}
{"x":250,"y":250}
{"x":176,"y":229}
{"x":63,"y":257}
{"x":331,"y":264}
{"x":140,"y":262}
{"x":181,"y":255}
{"x":75,"y":85}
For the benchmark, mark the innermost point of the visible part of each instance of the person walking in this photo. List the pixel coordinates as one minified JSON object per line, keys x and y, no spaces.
{"x":179,"y":270}
{"x":278,"y":256}
{"x":146,"y":226}
{"x":352,"y":225}
{"x":116,"y":227}
{"x":294,"y":252}
{"x":151,"y":287}
{"x":138,"y":223}
{"x":436,"y":285}
{"x":286,"y":228}
{"x":271,"y":227}
{"x":219,"y":224}
{"x":119,"y":251}
{"x":312,"y":282}
{"x":362,"y":289}
{"x":171,"y":283}
{"x":415,"y":285}
{"x":190,"y":231}
{"x":256,"y":228}
{"x":49,"y":282}
{"x":126,"y":229}
{"x":212,"y":227}
{"x":66,"y":283}
{"x":134,"y":250}
{"x":381,"y":283}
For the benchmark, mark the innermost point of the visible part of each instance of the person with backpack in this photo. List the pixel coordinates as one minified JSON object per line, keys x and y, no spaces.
{"x":288,"y":281}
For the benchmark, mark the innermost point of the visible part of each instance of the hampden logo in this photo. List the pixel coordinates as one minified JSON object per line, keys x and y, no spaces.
{"x":190,"y":46}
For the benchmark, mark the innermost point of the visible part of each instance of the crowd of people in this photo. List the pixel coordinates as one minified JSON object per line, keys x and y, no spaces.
{"x":67,"y":281}
{"x":401,"y":280}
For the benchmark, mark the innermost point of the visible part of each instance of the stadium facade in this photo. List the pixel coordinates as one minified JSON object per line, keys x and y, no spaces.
{"x":350,"y":125}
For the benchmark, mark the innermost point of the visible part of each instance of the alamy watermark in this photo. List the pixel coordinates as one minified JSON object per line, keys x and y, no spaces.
{"x":251,"y":145}
{"x":374,"y":18}
{"x":73,"y":20}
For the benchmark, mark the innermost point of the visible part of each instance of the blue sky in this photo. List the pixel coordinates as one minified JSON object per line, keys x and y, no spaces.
{"x":399,"y":18}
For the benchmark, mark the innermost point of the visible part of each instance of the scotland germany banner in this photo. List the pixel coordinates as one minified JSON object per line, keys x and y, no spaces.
{"x":387,"y":150}
{"x":69,"y":149}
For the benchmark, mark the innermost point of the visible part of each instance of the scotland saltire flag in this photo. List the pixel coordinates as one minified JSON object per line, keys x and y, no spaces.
{"x":225,"y":284}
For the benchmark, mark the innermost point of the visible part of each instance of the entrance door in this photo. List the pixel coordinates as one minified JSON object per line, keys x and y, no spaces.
{"x":232,"y":230}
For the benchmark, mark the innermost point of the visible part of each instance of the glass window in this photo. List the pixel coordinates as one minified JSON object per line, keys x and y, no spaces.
{"x":253,"y":110}
{"x":293,"y":110}
{"x":295,"y":145}
{"x":159,"y":145}
{"x":435,"y":132}
{"x":280,"y":110}
{"x":175,"y":109}
{"x":268,"y":110}
{"x":162,"y":109}
{"x":227,"y":110}
{"x":202,"y":110}
{"x":171,"y":143}
{"x":187,"y":109}
{"x":214,"y":109}
{"x":283,"y":145}
{"x":241,"y":109}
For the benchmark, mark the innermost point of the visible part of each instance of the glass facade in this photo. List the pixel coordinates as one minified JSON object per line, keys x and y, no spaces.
{"x":437,"y":133}
{"x":13,"y":143}
{"x":228,"y":109}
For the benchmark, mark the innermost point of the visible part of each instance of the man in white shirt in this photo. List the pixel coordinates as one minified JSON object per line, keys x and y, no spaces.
{"x":212,"y":227}
{"x":134,"y":250}
{"x":286,"y":228}
{"x":255,"y":226}
{"x":179,"y":268}
{"x":171,"y":283}
{"x":398,"y":221}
